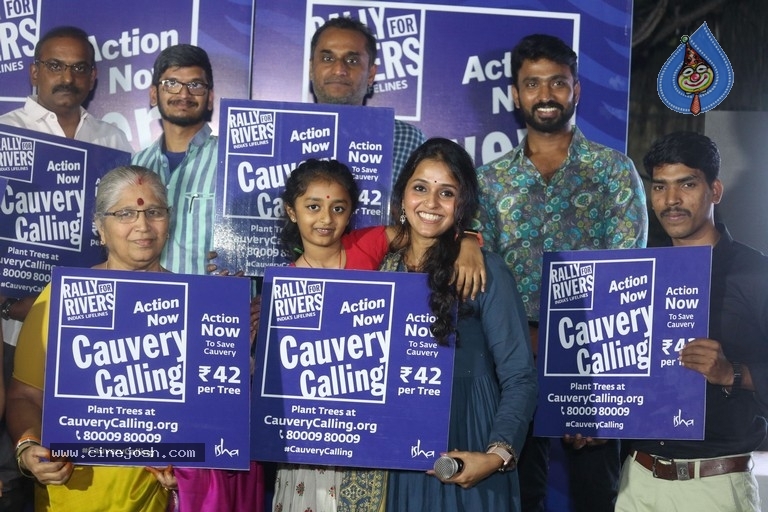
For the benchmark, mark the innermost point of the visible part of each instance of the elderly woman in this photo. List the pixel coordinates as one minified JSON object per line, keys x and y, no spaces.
{"x":132,"y":218}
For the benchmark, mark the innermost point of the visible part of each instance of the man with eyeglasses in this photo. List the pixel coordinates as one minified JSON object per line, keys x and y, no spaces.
{"x":186,"y":158}
{"x":63,"y":74}
{"x":186,"y":154}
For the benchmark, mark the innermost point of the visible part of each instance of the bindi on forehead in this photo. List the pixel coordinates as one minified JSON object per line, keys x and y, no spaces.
{"x":140,"y":201}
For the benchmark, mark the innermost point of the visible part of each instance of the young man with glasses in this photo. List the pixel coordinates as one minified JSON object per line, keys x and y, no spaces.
{"x":64,"y":74}
{"x":186,"y":158}
{"x":185,"y":155}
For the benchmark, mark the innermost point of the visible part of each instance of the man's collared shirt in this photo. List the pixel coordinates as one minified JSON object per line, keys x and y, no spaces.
{"x":594,"y":200}
{"x":34,"y":116}
{"x":192,"y":196}
{"x":405,"y":141}
{"x":738,"y":320}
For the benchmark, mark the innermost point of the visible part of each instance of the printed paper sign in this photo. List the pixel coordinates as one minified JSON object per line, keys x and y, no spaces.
{"x":261,"y":143}
{"x":148,"y":368}
{"x":349,"y":373}
{"x":612,"y":325}
{"x":48,"y":204}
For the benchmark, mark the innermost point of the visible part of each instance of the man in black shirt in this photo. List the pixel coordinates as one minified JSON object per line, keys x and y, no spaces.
{"x":713,"y":474}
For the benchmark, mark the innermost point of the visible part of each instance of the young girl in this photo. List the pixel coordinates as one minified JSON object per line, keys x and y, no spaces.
{"x":494,"y":380}
{"x":319,"y":198}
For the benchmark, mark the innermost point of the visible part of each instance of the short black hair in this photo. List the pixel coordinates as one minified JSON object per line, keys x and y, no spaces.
{"x":182,"y":56}
{"x":311,"y":171}
{"x":347,"y":24}
{"x":543,"y":46}
{"x":66,"y":31}
{"x":691,"y":149}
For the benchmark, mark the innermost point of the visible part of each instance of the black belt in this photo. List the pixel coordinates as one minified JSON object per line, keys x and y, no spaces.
{"x":670,"y":469}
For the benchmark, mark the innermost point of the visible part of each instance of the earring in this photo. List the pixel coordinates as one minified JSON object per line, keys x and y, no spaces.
{"x":369,"y":92}
{"x":402,"y":215}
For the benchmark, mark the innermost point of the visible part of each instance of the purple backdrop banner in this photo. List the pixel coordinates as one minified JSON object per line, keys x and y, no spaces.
{"x":446,"y":68}
{"x":47,"y":206}
{"x":348,"y":372}
{"x":260,"y":143}
{"x":442,"y":67}
{"x":18,"y":33}
{"x":612,"y":324}
{"x":148,"y":368}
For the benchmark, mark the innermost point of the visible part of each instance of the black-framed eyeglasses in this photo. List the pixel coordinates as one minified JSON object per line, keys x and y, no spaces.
{"x":55,"y":66}
{"x":129,"y":216}
{"x":173,"y":86}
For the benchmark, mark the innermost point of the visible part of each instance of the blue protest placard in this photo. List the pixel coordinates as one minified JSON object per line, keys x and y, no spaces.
{"x":260,"y":143}
{"x":48,"y":205}
{"x":347,"y":371}
{"x":612,"y":324}
{"x":148,"y":368}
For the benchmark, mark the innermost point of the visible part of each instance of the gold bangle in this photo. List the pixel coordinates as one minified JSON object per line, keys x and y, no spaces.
{"x":24,"y":470}
{"x":27,"y":440}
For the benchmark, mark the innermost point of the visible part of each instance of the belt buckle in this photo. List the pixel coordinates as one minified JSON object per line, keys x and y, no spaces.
{"x":682,"y":470}
{"x":653,"y":465}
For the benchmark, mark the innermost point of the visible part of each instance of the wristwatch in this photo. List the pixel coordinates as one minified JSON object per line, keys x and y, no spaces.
{"x":5,"y":309}
{"x":736,"y":380}
{"x":507,"y":454}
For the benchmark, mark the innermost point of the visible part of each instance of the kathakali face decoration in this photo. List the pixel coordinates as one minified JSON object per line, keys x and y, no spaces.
{"x":696,"y":75}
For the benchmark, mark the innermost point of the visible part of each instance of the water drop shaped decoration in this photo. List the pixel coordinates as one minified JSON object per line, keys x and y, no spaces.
{"x":698,"y":76}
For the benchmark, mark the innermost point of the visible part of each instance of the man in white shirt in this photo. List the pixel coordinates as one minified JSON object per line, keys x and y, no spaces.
{"x":63,"y":74}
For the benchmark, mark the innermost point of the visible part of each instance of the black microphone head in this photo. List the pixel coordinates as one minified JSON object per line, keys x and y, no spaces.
{"x":446,"y":467}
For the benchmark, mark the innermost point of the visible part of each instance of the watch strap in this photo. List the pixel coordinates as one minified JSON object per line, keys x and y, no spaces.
{"x":507,"y":454}
{"x":737,"y":376}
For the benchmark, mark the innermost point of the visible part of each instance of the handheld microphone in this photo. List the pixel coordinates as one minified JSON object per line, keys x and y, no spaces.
{"x":447,"y":467}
